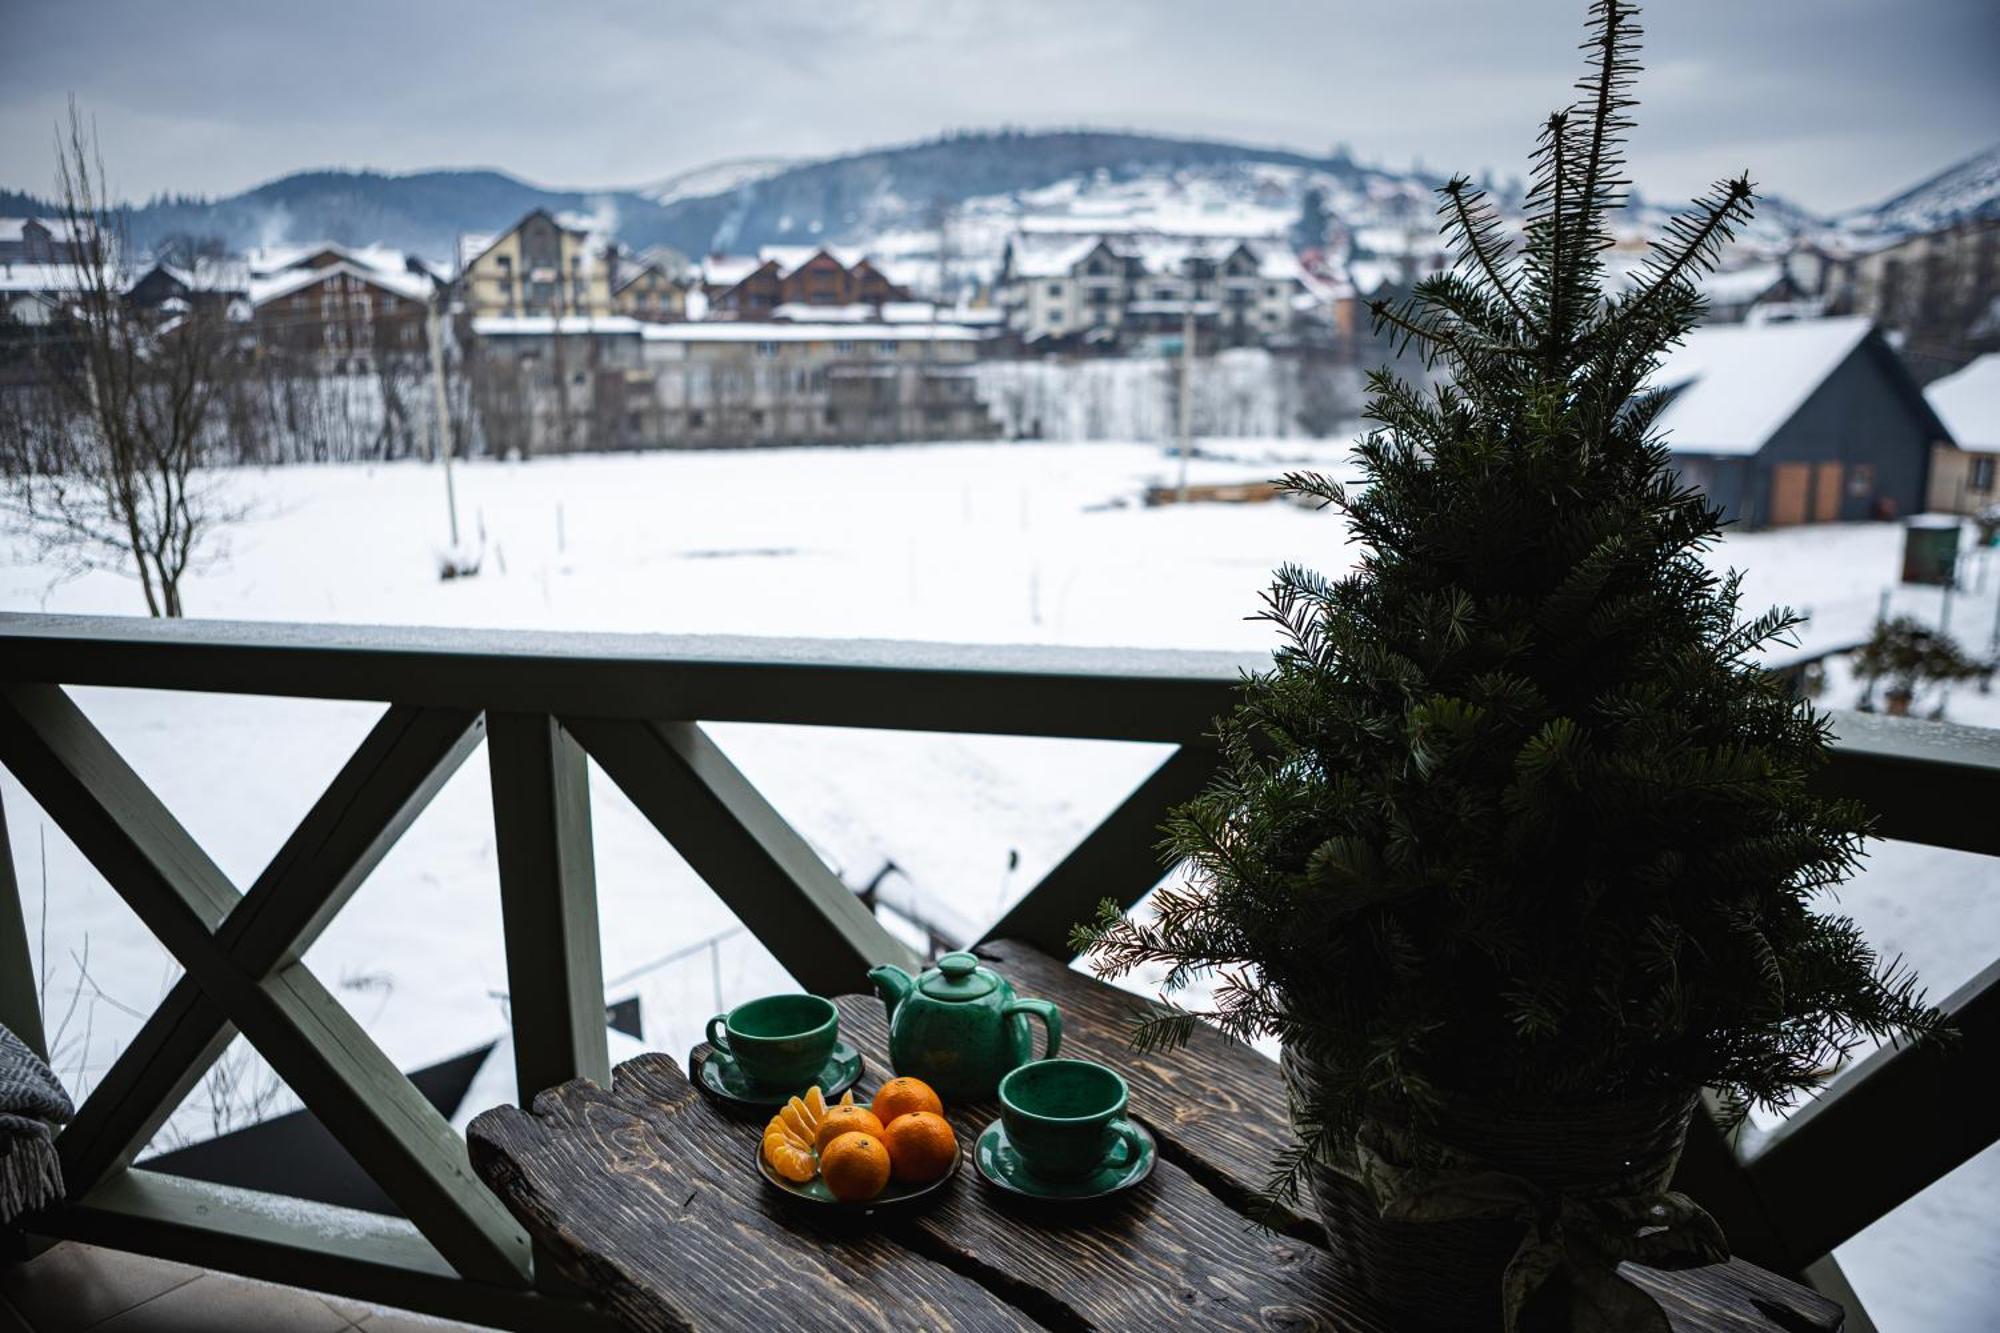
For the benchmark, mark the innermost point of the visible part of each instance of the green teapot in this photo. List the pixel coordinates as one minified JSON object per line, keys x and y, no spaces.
{"x":958,"y":1027}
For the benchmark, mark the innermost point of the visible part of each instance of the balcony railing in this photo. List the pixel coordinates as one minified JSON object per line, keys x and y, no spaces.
{"x":544,"y":703}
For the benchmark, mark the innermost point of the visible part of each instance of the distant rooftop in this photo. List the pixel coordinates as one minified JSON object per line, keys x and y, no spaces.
{"x":1736,"y":384}
{"x":1968,"y":402}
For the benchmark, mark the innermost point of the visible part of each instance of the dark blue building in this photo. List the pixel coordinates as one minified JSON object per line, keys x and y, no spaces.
{"x":1811,"y":421}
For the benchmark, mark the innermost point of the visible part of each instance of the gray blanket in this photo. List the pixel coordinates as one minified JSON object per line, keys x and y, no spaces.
{"x":32,"y":1104}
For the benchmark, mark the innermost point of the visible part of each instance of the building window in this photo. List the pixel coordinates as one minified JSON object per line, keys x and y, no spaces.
{"x":767,"y":349}
{"x":833,"y":416}
{"x":1982,"y":473}
{"x":695,"y":419}
{"x":843,"y":347}
{"x":1055,"y":290}
{"x":1861,"y":479}
{"x":886,"y":345}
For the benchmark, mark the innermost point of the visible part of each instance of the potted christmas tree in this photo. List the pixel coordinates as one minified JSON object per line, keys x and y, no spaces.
{"x":1514,"y":849}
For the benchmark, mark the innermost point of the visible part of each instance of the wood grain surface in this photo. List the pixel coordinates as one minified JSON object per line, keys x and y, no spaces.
{"x":647,"y":1195}
{"x":651,"y":1200}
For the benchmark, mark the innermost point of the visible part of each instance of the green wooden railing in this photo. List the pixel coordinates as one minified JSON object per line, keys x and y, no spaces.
{"x":636,"y":704}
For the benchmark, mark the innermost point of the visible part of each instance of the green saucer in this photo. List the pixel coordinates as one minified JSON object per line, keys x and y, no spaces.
{"x":723,"y":1079}
{"x":998,"y":1161}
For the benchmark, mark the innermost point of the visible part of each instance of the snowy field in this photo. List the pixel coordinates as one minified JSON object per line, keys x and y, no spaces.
{"x":967,"y":543}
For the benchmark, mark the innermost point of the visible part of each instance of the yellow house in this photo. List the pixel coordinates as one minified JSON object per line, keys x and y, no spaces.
{"x":538,"y":267}
{"x":1965,"y":469}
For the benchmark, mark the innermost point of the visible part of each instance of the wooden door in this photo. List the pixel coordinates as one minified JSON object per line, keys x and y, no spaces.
{"x":1827,"y":478}
{"x":1791,"y":486}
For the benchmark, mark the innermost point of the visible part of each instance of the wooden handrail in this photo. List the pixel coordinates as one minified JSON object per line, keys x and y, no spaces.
{"x":1000,"y":689}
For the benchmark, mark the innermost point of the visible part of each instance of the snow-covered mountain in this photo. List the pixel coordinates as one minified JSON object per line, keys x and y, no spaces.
{"x":1968,"y":190}
{"x":715,"y":178}
{"x":970,"y":188}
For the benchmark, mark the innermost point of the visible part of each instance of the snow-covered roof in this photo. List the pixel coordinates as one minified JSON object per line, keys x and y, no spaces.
{"x":1968,"y":402}
{"x":1368,"y":276}
{"x":41,"y":278}
{"x":1737,"y":384}
{"x":269,"y":260}
{"x":207,"y":275}
{"x":728,"y":270}
{"x":791,"y":258}
{"x":1054,"y":254}
{"x":473,"y":244}
{"x":1739,"y":286}
{"x":410,"y":286}
{"x":1049,"y":256}
{"x":744,"y":331}
{"x":503,"y":326}
{"x":14,"y":229}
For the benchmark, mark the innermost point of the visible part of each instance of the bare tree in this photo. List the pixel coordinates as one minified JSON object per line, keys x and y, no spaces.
{"x":101,"y":450}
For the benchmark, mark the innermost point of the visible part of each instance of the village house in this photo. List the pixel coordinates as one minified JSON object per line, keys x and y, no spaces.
{"x":1760,"y":291}
{"x":37,"y":240}
{"x":1068,"y":291}
{"x":35,"y":293}
{"x":204,"y":285}
{"x":1807,"y":421}
{"x":339,"y":315}
{"x":648,"y":289}
{"x":740,"y":287}
{"x":539,"y":266}
{"x":1965,"y":465}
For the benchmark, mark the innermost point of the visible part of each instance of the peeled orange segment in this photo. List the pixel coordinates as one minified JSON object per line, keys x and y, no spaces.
{"x":797,"y":1165}
{"x":789,"y":1155}
{"x":815,"y":1103}
{"x":798,"y":1120}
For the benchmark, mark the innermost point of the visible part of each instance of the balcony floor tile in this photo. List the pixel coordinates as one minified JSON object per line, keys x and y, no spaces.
{"x":71,"y":1288}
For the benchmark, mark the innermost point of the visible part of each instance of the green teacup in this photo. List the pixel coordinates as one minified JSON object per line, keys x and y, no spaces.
{"x":780,"y":1041}
{"x":1066,"y":1117}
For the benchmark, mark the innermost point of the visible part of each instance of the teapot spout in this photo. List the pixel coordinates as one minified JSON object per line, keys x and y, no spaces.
{"x":893,"y":984}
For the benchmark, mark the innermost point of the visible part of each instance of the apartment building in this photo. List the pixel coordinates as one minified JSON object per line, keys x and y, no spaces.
{"x":1064,"y":290}
{"x":541,"y":265}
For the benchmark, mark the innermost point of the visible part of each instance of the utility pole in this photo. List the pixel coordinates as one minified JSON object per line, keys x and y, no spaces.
{"x":434,"y":327}
{"x":1187,"y":389}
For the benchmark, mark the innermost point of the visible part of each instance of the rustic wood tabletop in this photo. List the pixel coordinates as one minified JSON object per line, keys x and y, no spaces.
{"x":647,"y":1195}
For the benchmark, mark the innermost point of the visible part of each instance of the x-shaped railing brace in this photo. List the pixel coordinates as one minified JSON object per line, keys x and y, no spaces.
{"x":241,"y":953}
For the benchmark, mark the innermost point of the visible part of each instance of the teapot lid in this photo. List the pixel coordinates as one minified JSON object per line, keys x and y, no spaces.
{"x":957,"y":976}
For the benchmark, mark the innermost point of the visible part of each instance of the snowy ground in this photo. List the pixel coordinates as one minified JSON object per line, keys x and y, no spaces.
{"x":994,"y":543}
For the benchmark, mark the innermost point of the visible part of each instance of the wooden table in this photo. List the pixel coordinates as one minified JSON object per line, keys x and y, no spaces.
{"x":647,"y":1195}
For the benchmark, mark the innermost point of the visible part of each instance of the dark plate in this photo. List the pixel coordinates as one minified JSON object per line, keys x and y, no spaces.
{"x":814,"y":1192}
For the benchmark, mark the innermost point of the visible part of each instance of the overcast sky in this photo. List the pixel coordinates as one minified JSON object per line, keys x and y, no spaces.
{"x":1831,"y":102}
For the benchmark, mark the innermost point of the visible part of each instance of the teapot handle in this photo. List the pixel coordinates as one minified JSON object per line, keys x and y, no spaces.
{"x":1051,"y":1021}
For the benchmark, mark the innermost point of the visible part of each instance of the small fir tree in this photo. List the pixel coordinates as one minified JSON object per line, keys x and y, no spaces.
{"x":1910,"y":657}
{"x":1515,"y":816}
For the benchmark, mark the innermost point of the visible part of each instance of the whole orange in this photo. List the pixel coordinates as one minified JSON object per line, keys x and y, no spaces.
{"x":901,"y":1096}
{"x":845,"y":1120}
{"x":855,"y":1166}
{"x":921,"y":1147}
